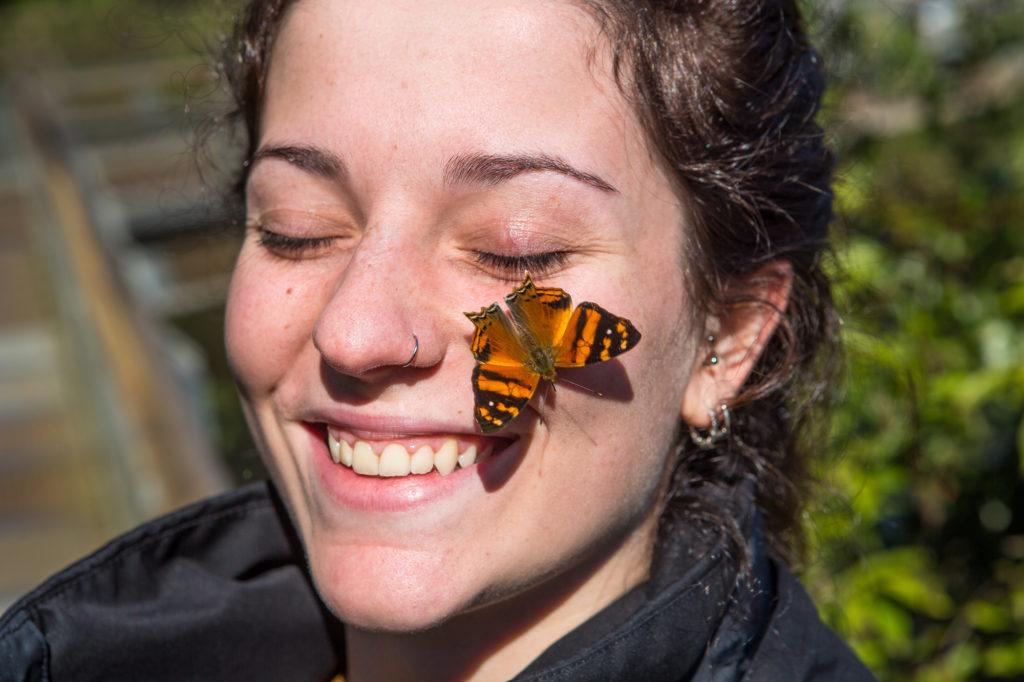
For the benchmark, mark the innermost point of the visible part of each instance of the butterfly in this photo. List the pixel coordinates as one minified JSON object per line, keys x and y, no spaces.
{"x":543,"y":334}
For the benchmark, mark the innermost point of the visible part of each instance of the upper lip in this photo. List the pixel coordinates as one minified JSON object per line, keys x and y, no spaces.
{"x":385,"y":426}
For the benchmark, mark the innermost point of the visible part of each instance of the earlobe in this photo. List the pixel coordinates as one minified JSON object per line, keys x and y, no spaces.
{"x":735,"y":341}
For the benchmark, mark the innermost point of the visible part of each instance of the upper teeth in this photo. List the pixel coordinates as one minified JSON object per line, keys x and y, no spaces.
{"x":395,"y":460}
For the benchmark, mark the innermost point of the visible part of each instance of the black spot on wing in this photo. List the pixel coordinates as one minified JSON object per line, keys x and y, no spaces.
{"x":581,"y":322}
{"x":481,"y":372}
{"x":483,"y":353}
{"x":560,"y":303}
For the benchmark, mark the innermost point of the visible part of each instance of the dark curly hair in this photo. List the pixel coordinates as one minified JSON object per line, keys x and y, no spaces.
{"x":727,"y":93}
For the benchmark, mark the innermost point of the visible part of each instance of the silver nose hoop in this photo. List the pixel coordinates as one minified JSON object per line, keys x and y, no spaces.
{"x":415,"y":350}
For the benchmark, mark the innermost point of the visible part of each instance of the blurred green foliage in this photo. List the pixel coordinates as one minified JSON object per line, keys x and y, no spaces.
{"x":918,"y":531}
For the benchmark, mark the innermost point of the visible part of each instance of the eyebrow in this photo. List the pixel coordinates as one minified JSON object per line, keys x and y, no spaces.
{"x":493,"y":169}
{"x":311,"y":159}
{"x":484,"y":169}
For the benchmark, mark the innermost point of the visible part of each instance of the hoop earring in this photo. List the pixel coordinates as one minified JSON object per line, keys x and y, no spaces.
{"x":415,"y":350}
{"x":717,"y":431}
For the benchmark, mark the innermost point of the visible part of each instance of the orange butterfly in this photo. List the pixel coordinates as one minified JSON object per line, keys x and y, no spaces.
{"x":544,"y":333}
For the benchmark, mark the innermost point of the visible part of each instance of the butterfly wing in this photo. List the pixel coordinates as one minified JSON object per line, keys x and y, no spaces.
{"x":594,"y":335}
{"x":541,"y":313}
{"x":502,"y":382}
{"x":500,"y":392}
{"x":495,"y":341}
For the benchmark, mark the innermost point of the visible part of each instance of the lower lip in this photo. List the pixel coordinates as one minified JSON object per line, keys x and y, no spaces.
{"x":400,"y":493}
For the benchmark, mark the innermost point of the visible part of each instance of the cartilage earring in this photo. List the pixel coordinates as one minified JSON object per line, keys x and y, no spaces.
{"x":415,"y":350}
{"x":712,"y":358}
{"x":716,"y":432}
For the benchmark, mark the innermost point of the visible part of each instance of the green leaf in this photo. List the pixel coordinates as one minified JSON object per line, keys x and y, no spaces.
{"x":1020,"y":447}
{"x":960,"y":663}
{"x":988,"y":617}
{"x":1004,"y":659}
{"x":920,"y":593}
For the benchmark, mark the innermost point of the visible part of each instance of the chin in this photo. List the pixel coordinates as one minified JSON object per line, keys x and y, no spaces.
{"x":385,"y":589}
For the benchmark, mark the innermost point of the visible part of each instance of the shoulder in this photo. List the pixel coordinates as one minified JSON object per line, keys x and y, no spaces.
{"x":796,"y":645}
{"x":199,"y":592}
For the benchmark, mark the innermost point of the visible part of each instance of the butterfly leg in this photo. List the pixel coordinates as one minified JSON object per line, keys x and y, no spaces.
{"x":544,"y":403}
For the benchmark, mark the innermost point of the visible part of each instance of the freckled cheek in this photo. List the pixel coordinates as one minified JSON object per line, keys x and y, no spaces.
{"x":658,"y":372}
{"x":268,"y":320}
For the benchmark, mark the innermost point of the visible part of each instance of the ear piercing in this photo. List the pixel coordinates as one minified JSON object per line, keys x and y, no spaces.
{"x":712,"y":358}
{"x":415,"y":350}
{"x":717,"y":431}
{"x":719,"y":428}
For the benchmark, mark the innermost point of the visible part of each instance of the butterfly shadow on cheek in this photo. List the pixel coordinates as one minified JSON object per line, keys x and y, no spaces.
{"x":500,"y":469}
{"x":371,"y":384}
{"x":607,"y":380}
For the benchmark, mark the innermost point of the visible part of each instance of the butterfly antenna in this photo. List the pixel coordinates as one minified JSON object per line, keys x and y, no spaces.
{"x":585,"y":388}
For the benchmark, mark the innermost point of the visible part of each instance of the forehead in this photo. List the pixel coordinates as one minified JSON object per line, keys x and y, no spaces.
{"x":419,"y":80}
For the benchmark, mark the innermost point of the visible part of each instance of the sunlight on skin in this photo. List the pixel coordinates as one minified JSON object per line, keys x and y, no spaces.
{"x":318,"y":337}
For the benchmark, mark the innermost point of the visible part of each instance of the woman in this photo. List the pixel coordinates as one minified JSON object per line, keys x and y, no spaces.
{"x":408,"y":162}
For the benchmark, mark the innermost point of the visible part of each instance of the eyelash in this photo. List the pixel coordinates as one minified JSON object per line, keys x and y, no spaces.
{"x":514,"y":266}
{"x":289,"y":246}
{"x":537,"y":263}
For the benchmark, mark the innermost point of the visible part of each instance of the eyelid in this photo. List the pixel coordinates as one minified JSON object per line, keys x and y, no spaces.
{"x":518,"y":237}
{"x":296,"y":220}
{"x":298,"y":233}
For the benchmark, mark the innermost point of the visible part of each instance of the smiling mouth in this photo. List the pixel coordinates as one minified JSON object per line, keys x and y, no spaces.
{"x":410,"y":455}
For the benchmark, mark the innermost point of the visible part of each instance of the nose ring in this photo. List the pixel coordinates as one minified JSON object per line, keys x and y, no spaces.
{"x":415,"y":350}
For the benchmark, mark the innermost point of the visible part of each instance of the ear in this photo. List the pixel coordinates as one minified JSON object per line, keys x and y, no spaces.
{"x":741,"y":333}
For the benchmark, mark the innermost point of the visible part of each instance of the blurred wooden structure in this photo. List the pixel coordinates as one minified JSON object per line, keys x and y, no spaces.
{"x":106,"y":231}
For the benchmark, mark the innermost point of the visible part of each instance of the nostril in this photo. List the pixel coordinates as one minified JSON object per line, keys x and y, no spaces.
{"x":358,"y":348}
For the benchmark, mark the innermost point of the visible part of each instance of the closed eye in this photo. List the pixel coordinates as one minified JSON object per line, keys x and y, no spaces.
{"x":512,"y":267}
{"x":288,"y":246}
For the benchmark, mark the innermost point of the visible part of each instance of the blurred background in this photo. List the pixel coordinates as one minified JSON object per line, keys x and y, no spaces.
{"x":116,"y":244}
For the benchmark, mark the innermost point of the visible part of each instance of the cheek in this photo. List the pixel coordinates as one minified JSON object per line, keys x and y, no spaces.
{"x":616,"y":448}
{"x":269,"y":318}
{"x":658,"y":369}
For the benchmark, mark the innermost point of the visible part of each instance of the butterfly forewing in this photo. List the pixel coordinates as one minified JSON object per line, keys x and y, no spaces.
{"x":495,"y":341}
{"x":500,"y":393}
{"x":543,"y":314}
{"x":594,"y":335}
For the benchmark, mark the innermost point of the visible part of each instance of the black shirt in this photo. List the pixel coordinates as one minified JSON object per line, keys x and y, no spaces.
{"x":219,"y":591}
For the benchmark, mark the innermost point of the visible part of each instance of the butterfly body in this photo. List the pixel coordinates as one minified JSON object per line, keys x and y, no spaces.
{"x":543,"y":334}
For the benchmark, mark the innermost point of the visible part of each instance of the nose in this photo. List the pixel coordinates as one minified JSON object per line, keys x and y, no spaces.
{"x":374,"y":319}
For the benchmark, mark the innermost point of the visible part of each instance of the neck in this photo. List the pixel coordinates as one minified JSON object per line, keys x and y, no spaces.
{"x":499,"y":640}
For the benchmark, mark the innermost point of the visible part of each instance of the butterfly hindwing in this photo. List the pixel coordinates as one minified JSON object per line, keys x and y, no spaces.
{"x":495,"y":341}
{"x":594,"y":335}
{"x":541,"y":313}
{"x":500,"y":392}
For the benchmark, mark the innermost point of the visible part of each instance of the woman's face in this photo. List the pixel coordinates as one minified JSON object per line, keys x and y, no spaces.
{"x":415,"y":159}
